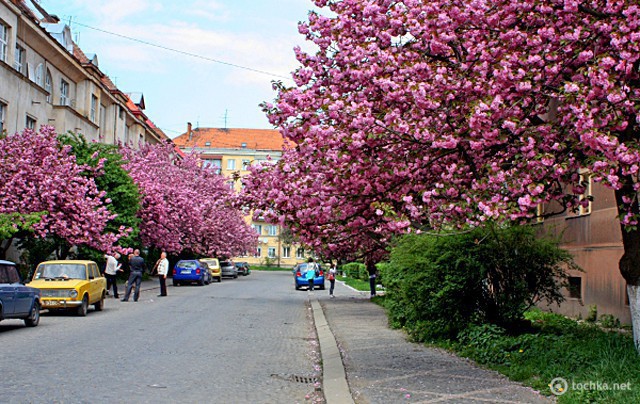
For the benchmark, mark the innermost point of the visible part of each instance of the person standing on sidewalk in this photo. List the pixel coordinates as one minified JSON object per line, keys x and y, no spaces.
{"x":163,"y":269}
{"x":311,"y":273}
{"x":137,"y":269}
{"x":111,"y":270}
{"x":332,"y":278}
{"x":371,"y":269}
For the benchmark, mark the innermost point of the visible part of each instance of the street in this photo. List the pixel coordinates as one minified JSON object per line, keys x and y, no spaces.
{"x":244,"y":340}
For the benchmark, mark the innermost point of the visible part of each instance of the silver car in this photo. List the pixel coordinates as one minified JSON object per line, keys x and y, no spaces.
{"x":228,"y":268}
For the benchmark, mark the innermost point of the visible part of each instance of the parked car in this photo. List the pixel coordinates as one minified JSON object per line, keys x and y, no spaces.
{"x":300,"y":275}
{"x":17,"y":300}
{"x":228,"y":268}
{"x":70,"y":285}
{"x":189,"y":271}
{"x":214,"y":268}
{"x":243,"y":268}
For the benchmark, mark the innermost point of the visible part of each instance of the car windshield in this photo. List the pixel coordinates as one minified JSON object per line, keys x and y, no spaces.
{"x":187,"y":265}
{"x":61,"y":271}
{"x":303,"y":267}
{"x":8,"y":274}
{"x":226,"y":264}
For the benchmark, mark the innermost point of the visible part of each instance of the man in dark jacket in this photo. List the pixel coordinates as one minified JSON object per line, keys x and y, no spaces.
{"x":137,"y":266}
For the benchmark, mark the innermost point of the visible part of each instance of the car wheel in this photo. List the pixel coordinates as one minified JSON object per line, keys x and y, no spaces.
{"x":296,"y":285}
{"x":99,"y":304}
{"x":34,"y":316}
{"x":82,"y":310}
{"x":175,"y":283}
{"x":219,"y":279}
{"x":322,"y":287}
{"x":201,"y":281}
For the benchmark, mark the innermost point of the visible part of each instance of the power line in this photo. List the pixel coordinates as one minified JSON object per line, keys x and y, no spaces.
{"x":183,"y":52}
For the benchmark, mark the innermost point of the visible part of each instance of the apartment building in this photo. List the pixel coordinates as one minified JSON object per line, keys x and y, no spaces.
{"x":593,"y":236}
{"x":46,"y":79}
{"x":233,"y":151}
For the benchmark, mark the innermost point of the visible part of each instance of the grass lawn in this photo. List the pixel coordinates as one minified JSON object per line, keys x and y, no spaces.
{"x":357,"y":284}
{"x":583,"y":361}
{"x":598,"y":365}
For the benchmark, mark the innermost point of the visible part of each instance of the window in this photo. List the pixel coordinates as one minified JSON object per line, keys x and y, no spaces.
{"x":213,"y":163}
{"x":94,"y":107}
{"x":540,"y":213}
{"x":3,"y":114}
{"x":103,"y":120}
{"x":271,"y":252}
{"x":47,"y":85}
{"x":4,"y":42}
{"x":30,"y":122}
{"x":39,"y":75}
{"x":258,"y":252}
{"x":121,"y":113}
{"x":300,"y":252}
{"x":286,"y":252}
{"x":207,"y":144}
{"x":575,"y":287}
{"x":585,"y":198}
{"x":245,"y":164}
{"x":272,"y":230}
{"x":231,"y":164}
{"x":18,"y":61}
{"x":257,"y":228}
{"x":64,"y":92}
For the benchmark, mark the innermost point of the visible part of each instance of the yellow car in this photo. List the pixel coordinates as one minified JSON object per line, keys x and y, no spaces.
{"x":70,"y":285}
{"x":214,"y":267}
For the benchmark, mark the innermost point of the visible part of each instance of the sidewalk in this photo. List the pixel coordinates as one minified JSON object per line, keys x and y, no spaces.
{"x":383,"y":367}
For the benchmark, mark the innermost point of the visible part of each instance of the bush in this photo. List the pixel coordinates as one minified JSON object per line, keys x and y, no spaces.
{"x":355,"y":270}
{"x":437,"y":286}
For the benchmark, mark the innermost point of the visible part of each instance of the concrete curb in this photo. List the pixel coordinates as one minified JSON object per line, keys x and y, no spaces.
{"x":334,"y":378}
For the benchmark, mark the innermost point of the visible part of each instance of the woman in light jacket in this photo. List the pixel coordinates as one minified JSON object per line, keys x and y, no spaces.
{"x":163,"y":269}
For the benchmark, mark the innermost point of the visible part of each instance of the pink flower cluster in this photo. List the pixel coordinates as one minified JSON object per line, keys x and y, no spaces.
{"x":440,"y":113}
{"x":37,"y":174}
{"x":186,"y":207}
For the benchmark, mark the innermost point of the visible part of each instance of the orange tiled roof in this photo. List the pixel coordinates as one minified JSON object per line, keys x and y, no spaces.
{"x":256,"y":139}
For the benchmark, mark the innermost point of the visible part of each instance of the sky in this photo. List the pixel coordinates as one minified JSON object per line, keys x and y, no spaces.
{"x":178,"y":88}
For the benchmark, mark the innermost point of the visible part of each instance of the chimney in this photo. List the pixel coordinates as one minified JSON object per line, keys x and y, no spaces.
{"x":189,"y":132}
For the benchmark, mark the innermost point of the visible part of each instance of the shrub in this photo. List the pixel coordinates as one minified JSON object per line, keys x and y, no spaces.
{"x":437,"y":286}
{"x":356,"y":270}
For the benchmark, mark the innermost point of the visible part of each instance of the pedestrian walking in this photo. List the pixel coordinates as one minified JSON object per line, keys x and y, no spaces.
{"x":137,"y":266}
{"x":332,"y":279}
{"x":111,"y":271}
{"x":371,"y":269}
{"x":163,"y":269}
{"x":311,"y":273}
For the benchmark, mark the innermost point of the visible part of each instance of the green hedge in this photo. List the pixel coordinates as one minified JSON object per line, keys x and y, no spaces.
{"x":436,"y":286}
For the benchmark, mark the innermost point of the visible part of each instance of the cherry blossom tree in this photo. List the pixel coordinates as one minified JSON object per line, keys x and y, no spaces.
{"x":441,"y":113}
{"x":40,"y":177}
{"x":186,"y":207}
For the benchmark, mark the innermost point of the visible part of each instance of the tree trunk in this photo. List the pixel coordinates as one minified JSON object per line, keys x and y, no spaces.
{"x":629,"y":264}
{"x":4,"y":247}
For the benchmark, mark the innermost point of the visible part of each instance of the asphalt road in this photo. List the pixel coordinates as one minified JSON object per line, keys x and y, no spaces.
{"x":245,"y":340}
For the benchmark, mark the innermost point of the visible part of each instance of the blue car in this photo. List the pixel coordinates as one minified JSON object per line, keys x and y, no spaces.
{"x":190,"y":271}
{"x":17,"y":300}
{"x":300,"y":275}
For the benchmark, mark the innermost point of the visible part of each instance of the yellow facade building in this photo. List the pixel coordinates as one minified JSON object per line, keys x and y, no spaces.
{"x":233,"y":151}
